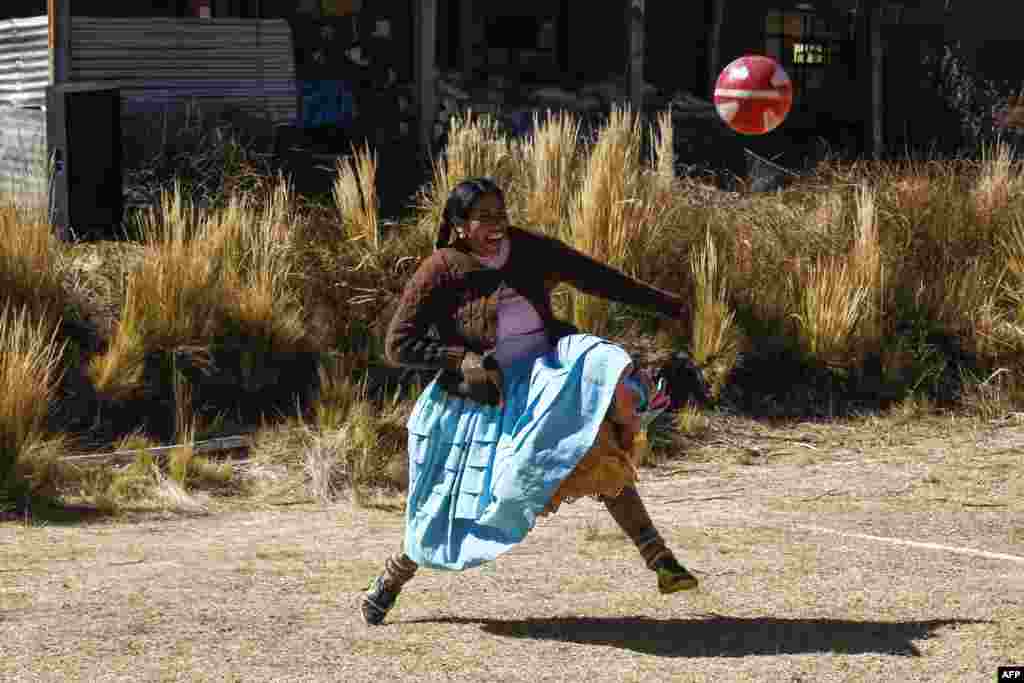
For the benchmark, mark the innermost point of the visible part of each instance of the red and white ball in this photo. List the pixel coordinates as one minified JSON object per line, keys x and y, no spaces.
{"x":753,"y":95}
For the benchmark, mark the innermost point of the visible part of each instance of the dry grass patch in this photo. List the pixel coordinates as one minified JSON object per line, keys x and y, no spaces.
{"x":830,"y":304}
{"x":210,"y":281}
{"x":352,"y":447}
{"x":549,"y":172}
{"x":355,"y":196}
{"x":823,"y":605}
{"x":476,"y":147}
{"x":603,"y":215}
{"x":999,"y":181}
{"x":691,"y":421}
{"x":30,"y":264}
{"x":367,"y":451}
{"x":29,"y":374}
{"x":715,"y":338}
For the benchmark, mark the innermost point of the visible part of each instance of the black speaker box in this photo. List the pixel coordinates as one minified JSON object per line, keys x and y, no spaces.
{"x":83,"y":132}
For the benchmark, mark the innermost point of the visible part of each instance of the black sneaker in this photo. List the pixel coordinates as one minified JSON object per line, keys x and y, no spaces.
{"x":672,"y":576}
{"x":377,"y":601}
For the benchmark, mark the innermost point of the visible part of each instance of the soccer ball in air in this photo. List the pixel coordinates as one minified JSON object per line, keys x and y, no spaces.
{"x":753,"y":95}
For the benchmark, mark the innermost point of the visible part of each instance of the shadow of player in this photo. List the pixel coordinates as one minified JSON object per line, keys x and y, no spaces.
{"x":722,"y":636}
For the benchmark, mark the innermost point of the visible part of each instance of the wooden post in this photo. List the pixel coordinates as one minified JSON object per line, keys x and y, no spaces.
{"x":635,"y":12}
{"x":58,"y":14}
{"x":426,"y":94}
{"x":715,"y":44}
{"x":877,"y":82}
{"x":467,"y":37}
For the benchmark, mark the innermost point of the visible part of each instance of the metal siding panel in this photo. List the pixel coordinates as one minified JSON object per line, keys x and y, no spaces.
{"x":246,"y":64}
{"x":23,"y":154}
{"x":24,"y":61}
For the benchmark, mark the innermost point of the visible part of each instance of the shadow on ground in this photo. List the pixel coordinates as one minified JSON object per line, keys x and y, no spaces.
{"x":721,"y":636}
{"x":54,"y":513}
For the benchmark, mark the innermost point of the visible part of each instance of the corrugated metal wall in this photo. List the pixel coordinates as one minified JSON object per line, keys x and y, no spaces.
{"x":24,"y":62}
{"x":23,"y":154}
{"x":245,"y":64}
{"x":24,"y":75}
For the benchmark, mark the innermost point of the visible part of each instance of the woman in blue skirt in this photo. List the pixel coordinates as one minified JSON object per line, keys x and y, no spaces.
{"x":525,"y":413}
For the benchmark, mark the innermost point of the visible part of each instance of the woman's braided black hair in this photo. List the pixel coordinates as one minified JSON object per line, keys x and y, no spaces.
{"x":460,"y":202}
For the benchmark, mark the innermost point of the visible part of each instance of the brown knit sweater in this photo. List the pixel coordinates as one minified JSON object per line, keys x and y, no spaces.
{"x":450,"y":305}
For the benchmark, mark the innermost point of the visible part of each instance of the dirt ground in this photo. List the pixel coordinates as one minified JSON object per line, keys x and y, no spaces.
{"x":881,"y":550}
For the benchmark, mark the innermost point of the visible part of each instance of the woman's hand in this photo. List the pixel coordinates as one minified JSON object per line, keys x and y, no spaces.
{"x":482,"y":379}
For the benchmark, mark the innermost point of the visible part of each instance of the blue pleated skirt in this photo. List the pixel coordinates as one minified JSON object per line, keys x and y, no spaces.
{"x":479,"y":475}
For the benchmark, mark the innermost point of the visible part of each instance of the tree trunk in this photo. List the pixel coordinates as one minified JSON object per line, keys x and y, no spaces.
{"x":715,"y":44}
{"x":425,"y":19}
{"x":877,"y":81}
{"x":635,"y":53}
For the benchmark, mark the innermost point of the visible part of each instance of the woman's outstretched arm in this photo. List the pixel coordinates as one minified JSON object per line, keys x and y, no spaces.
{"x":598,"y":279}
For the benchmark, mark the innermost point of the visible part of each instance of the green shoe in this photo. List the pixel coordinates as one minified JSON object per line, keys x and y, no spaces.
{"x":673,"y":577}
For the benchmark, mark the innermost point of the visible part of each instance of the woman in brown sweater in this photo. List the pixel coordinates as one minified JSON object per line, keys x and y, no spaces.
{"x":525,"y":413}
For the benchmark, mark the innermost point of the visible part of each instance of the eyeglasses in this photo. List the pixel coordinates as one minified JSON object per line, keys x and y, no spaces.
{"x":489,"y":219}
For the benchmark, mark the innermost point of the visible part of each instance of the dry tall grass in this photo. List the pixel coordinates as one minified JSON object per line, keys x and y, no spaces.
{"x":604,"y":214}
{"x":550,"y":159}
{"x":29,"y":373}
{"x":714,"y":338}
{"x":180,"y":459}
{"x":353,"y":444}
{"x":209,"y":277}
{"x":831,"y":302}
{"x":866,"y":257}
{"x":663,"y":148}
{"x":355,"y":196}
{"x":30,"y":264}
{"x":999,"y":180}
{"x":477,"y":146}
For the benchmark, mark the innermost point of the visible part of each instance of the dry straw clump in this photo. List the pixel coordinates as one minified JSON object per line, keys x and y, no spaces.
{"x":999,"y":181}
{"x":30,"y":263}
{"x":838,"y":298}
{"x":549,"y":161}
{"x":663,"y":149}
{"x":353,"y":444}
{"x":355,"y":196}
{"x":830,"y":304}
{"x":29,"y":373}
{"x":477,"y":146}
{"x":207,"y":276}
{"x":715,"y":337}
{"x":604,"y":215}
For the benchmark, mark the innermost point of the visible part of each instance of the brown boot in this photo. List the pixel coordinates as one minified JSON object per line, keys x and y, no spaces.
{"x":629,"y":512}
{"x":382,"y":593}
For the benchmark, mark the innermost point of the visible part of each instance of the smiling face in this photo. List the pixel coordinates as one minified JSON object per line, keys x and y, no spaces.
{"x":486,"y":226}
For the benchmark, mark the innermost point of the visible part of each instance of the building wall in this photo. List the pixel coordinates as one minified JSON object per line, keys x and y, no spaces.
{"x":19,"y":9}
{"x":135,"y":8}
{"x":597,"y":39}
{"x":23,"y":154}
{"x":377,"y":79}
{"x":24,"y":61}
{"x":676,"y":46}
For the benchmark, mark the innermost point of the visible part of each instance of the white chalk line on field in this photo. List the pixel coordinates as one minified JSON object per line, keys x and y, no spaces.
{"x":925,"y":545}
{"x":913,"y":544}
